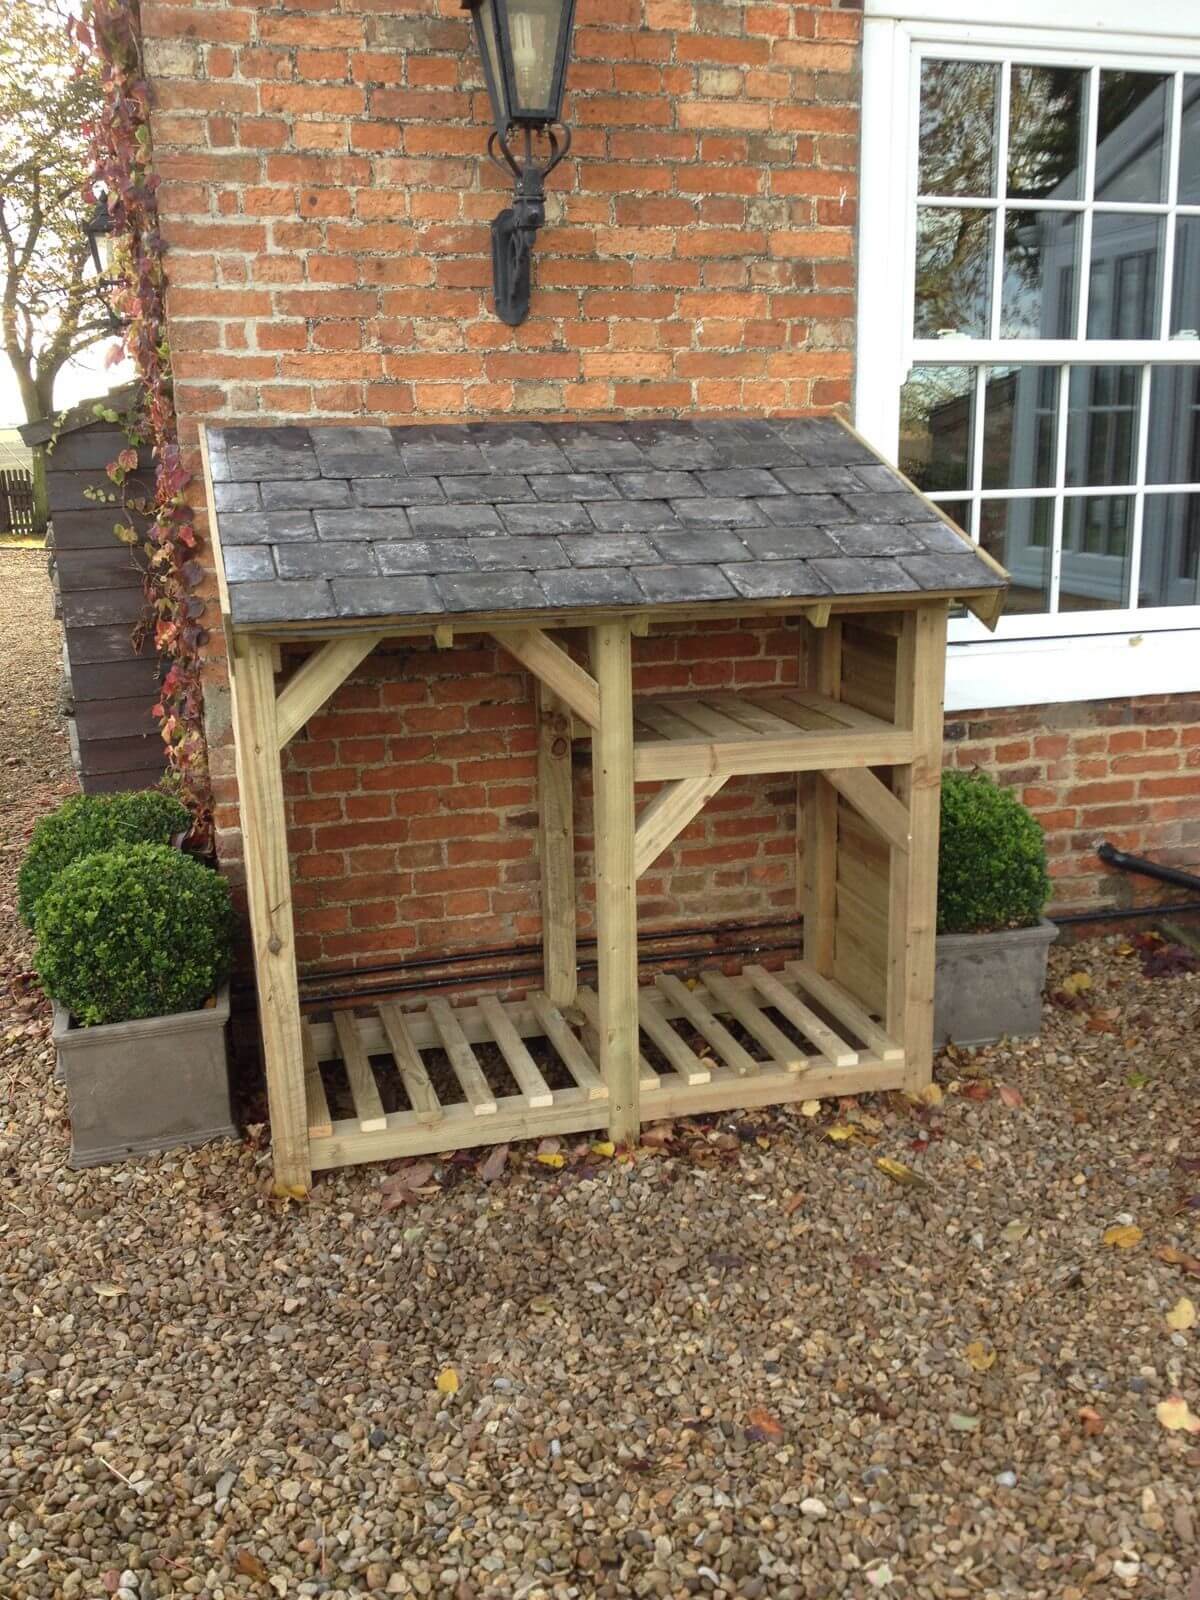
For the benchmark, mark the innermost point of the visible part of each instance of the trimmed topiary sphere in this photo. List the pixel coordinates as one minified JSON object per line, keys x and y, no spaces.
{"x":992,"y":860}
{"x":89,"y":822}
{"x":138,"y":931}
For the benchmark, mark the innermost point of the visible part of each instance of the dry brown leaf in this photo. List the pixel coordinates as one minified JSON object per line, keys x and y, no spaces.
{"x":495,"y":1164}
{"x":1093,"y":1422}
{"x":760,"y":1424}
{"x":447,"y":1381}
{"x":1123,"y":1236}
{"x":1182,"y":1315}
{"x":658,"y":1134}
{"x":899,"y":1173}
{"x":1076,"y":983}
{"x":931,"y":1095}
{"x":248,"y":1564}
{"x":1179,"y":1258}
{"x":793,"y":1203}
{"x":1012,"y":1098}
{"x":841,"y":1132}
{"x":1176,"y":1415}
{"x":979,"y":1357}
{"x":977,"y":1089}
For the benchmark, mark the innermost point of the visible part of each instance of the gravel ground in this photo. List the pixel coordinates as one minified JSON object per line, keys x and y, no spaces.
{"x":747,"y":1361}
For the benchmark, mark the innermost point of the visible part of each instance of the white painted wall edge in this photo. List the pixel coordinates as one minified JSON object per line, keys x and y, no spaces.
{"x":1161,"y":19}
{"x":1038,"y":672}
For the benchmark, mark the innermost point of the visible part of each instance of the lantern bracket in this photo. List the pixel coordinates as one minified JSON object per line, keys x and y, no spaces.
{"x":515,"y":229}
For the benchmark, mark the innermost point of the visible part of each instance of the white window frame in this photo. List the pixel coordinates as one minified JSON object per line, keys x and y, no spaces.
{"x":1031,"y":660}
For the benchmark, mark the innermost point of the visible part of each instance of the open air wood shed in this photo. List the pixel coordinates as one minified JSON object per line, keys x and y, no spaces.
{"x":568,"y":543}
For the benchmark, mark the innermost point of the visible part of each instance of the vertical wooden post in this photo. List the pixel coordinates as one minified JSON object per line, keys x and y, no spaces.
{"x":819,"y":803}
{"x":912,"y":889}
{"x":268,"y":885}
{"x":556,"y":846}
{"x":616,"y":884}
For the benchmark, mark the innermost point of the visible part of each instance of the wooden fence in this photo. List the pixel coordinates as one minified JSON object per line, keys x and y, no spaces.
{"x":18,"y":514}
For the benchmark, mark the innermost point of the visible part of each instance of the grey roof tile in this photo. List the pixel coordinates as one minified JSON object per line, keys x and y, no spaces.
{"x":399,"y":491}
{"x":385,"y":597}
{"x":426,"y":555}
{"x":521,"y":516}
{"x":864,"y":575}
{"x":770,"y":580}
{"x":671,"y":584}
{"x":546,"y":517}
{"x":491,"y":591}
{"x":281,"y":600}
{"x":266,"y":527}
{"x":360,"y":523}
{"x":589,"y":586}
{"x":326,"y":560}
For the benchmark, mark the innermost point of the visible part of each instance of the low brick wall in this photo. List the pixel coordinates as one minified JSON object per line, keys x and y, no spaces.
{"x":1123,"y":770}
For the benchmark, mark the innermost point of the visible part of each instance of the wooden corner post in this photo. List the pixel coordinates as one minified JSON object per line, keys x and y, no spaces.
{"x":912,"y":889}
{"x":269,"y":890}
{"x":556,"y":846}
{"x":616,"y":883}
{"x":817,"y":803}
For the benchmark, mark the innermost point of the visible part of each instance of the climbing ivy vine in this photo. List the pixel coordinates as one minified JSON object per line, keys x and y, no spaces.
{"x":109,"y":32}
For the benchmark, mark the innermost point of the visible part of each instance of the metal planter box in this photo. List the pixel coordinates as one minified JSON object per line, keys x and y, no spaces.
{"x":989,"y":985}
{"x":139,"y":1087}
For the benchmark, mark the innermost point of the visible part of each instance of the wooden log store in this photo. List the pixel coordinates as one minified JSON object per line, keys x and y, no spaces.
{"x":568,"y":543}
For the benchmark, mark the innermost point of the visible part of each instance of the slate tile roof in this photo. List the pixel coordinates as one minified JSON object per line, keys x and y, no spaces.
{"x":330,"y":523}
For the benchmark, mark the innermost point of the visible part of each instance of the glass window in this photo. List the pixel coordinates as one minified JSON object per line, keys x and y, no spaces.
{"x":1169,"y":570}
{"x":958,"y":127}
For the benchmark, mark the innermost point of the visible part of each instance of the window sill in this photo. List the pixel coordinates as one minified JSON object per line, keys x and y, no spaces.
{"x":1053,"y":671}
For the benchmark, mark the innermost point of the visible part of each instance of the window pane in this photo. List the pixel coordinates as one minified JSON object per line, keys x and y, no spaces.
{"x":936,"y":427}
{"x":1189,"y":148}
{"x":954,"y":276}
{"x":1046,"y":133}
{"x":1019,"y":534}
{"x":1131,"y":136}
{"x":1126,"y":276}
{"x":959,"y":512}
{"x":1019,"y":410}
{"x":1174,"y":453}
{"x":1095,"y":555}
{"x":1102,"y":412}
{"x":1041,"y":270}
{"x":1185,"y":288}
{"x":1170,"y":563}
{"x":958,"y":127}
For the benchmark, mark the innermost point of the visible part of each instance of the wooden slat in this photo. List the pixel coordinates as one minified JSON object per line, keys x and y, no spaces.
{"x":817,"y":803}
{"x":662,"y":717}
{"x":757,"y":714}
{"x":421,"y":1094}
{"x":556,"y":846}
{"x":465,"y":1066}
{"x":839,"y":1004}
{"x":680,"y":1054}
{"x":317,"y":678}
{"x":807,"y":752}
{"x":572,"y":1054}
{"x":586,"y":1000}
{"x":616,"y":882}
{"x":320,"y":1124}
{"x":874,"y":801}
{"x":550,"y":663}
{"x":512,"y":1047}
{"x":712,"y":1028}
{"x":269,"y":895}
{"x":739,"y":1004}
{"x":839,"y":711}
{"x":665,"y":817}
{"x":708,"y":719}
{"x":364,"y":1091}
{"x":835,"y":1049}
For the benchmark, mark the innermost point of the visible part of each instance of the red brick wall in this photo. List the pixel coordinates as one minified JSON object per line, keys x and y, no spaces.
{"x":1123,"y":770}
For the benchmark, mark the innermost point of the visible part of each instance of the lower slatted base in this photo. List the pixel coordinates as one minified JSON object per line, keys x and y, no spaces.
{"x":449,"y":1072}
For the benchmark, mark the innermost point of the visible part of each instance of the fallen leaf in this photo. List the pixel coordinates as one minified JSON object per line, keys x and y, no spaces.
{"x":1182,"y":1316}
{"x":1076,"y":983}
{"x":108,"y":1291}
{"x":977,"y":1089}
{"x":760,"y":1424}
{"x":870,"y":1123}
{"x":447,"y":1381}
{"x":1093,"y":1422}
{"x":288,"y":1191}
{"x":810,"y":1108}
{"x":248,"y":1564}
{"x":1012,"y":1098}
{"x":658,"y":1134}
{"x":979,"y":1357}
{"x":497,"y":1160}
{"x":931,"y":1095}
{"x":604,"y":1147}
{"x":1012,"y":1231}
{"x":1123,"y":1236}
{"x":549,"y":1147}
{"x":962,"y":1423}
{"x":1176,"y":1415}
{"x":899,"y":1173}
{"x":550,"y":1158}
{"x":541,"y":1306}
{"x":840,"y":1132}
{"x":1179,"y":1258}
{"x":793,"y":1203}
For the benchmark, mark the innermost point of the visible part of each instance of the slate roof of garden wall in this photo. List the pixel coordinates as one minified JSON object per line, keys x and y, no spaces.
{"x":328,"y":523}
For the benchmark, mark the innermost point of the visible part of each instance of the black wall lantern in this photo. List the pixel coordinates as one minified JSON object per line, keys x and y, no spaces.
{"x":98,"y":230}
{"x":524,"y":46}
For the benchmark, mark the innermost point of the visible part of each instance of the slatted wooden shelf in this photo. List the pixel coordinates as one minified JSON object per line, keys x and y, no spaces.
{"x":721,"y":1041}
{"x":779,"y":730}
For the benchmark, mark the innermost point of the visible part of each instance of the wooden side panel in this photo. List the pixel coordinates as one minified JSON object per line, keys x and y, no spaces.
{"x":860,"y":962}
{"x":869,"y":670}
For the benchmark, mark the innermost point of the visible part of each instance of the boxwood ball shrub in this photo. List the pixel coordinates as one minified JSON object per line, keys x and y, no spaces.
{"x":992,"y":859}
{"x":138,"y":931}
{"x":89,"y":822}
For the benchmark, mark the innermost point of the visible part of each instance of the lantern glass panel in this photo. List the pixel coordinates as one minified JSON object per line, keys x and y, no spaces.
{"x":537,"y":57}
{"x":489,"y":51}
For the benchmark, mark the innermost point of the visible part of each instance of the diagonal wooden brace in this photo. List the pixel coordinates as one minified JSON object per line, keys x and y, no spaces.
{"x":551,"y":664}
{"x":666,"y":816}
{"x":317,"y":679}
{"x":874,"y":801}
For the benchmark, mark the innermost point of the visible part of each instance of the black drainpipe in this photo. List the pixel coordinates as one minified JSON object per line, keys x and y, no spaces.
{"x":1125,"y":862}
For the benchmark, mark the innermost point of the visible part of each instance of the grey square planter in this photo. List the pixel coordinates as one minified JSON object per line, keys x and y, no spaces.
{"x":138,"y":1087}
{"x":989,"y":985}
